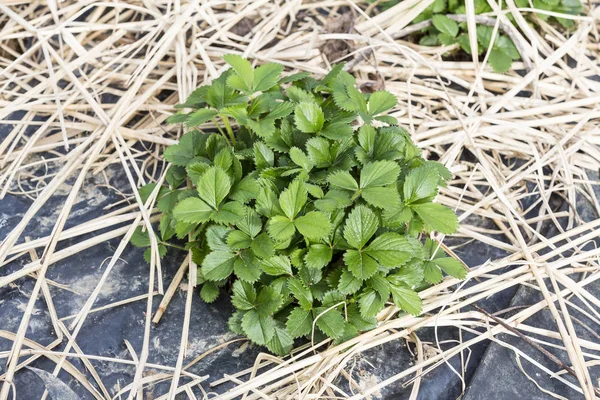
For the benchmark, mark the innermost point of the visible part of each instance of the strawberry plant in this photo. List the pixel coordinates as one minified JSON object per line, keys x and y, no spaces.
{"x":447,"y":28}
{"x":304,"y":201}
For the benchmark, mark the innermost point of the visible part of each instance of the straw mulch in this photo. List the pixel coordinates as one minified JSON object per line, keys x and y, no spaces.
{"x":512,"y":139}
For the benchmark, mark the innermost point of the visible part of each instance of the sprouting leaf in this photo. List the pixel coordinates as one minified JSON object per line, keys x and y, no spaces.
{"x":445,"y":24}
{"x":309,"y":117}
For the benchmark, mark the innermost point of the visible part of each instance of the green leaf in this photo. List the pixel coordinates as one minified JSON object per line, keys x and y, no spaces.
{"x":445,"y":24}
{"x":432,"y":273}
{"x":216,"y":237}
{"x":192,"y":210}
{"x":250,"y":224}
{"x":499,"y":61}
{"x":370,"y":303}
{"x":245,"y":190}
{"x":333,"y":200}
{"x":308,"y":117}
{"x":213,"y":186}
{"x":300,"y":159}
{"x":361,"y":225}
{"x":140,"y":238}
{"x":280,"y":228}
{"x":246,"y":266}
{"x":263,"y":246}
{"x":382,"y":197}
{"x":330,"y":323}
{"x":318,"y":150}
{"x":318,"y":256}
{"x":343,"y":180}
{"x":421,"y":183}
{"x":313,"y":225}
{"x":349,"y":284}
{"x":185,"y":151}
{"x":381,"y":101}
{"x":238,"y":240}
{"x":406,"y":299}
{"x":379,"y":173}
{"x":293,"y":198}
{"x":360,"y":264}
{"x":390,"y":249}
{"x":258,"y":327}
{"x":228,"y":213}
{"x":276,"y":265}
{"x":218,"y":265}
{"x":266,"y":76}
{"x":281,"y":343}
{"x":299,"y":322}
{"x":244,"y":295}
{"x":358,"y":321}
{"x":451,"y":266}
{"x":438,"y":217}
{"x":263,"y":156}
{"x":301,"y":293}
{"x":209,"y":292}
{"x":268,"y":301}
{"x":245,"y":75}
{"x":199,"y":117}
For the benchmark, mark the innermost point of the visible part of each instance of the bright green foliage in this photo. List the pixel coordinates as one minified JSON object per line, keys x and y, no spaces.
{"x":502,"y":52}
{"x":312,"y":212}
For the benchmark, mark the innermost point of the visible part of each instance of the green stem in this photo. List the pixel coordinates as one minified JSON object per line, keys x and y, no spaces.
{"x":228,"y":127}
{"x":174,"y":246}
{"x":214,"y":120}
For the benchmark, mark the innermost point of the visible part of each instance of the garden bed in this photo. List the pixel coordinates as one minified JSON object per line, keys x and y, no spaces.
{"x":84,"y":126}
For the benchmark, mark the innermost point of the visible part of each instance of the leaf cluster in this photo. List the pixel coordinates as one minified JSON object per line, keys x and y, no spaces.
{"x":306,"y":202}
{"x":445,"y":31}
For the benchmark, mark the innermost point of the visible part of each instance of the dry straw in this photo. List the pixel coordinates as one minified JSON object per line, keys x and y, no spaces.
{"x":510,"y":139}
